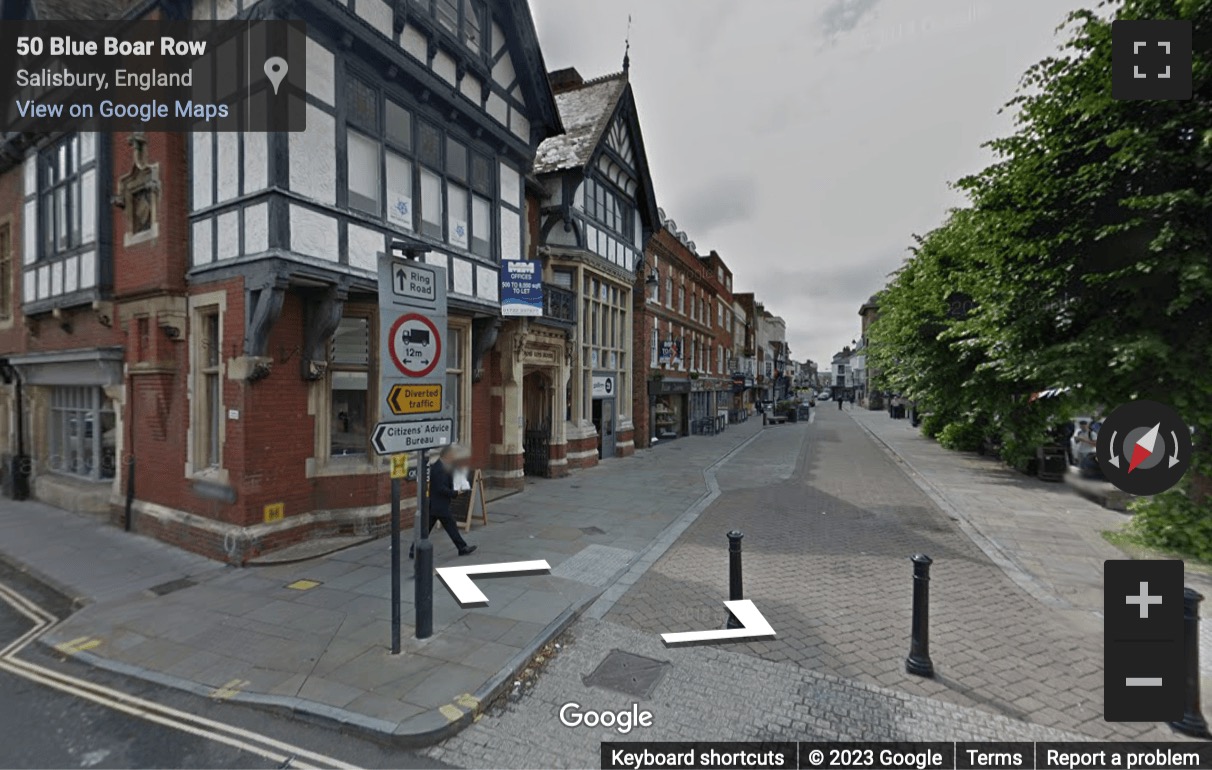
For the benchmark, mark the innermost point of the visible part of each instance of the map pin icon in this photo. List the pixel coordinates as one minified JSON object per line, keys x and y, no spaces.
{"x":276,"y":69}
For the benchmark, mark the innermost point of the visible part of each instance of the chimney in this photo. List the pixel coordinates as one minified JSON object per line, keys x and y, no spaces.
{"x":565,"y":80}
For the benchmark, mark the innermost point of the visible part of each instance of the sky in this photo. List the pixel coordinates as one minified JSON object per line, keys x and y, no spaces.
{"x":807,"y":140}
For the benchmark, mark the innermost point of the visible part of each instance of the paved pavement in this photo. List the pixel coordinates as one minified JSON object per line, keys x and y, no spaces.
{"x":830,"y":521}
{"x":245,"y":635}
{"x":769,"y":701}
{"x":1047,"y":537}
{"x":63,"y":713}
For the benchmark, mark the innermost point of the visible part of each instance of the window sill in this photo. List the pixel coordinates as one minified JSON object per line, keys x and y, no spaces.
{"x":350,"y":465}
{"x":214,"y":475}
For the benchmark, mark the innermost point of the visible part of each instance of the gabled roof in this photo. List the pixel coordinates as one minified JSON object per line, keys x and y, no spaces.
{"x":585,"y":111}
{"x":529,"y":65}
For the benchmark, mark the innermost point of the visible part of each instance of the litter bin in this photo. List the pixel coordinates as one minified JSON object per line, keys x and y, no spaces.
{"x":1051,"y":463}
{"x":898,"y":412}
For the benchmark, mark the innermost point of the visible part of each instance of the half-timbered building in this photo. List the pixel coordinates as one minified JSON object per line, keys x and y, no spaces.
{"x":596,"y":212}
{"x":422,"y":120}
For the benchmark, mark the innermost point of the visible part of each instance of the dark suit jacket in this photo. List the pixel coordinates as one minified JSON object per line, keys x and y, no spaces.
{"x":441,"y":489}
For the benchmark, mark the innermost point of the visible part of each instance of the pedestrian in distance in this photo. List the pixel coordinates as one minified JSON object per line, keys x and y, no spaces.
{"x":441,"y":493}
{"x":840,"y":401}
{"x":852,"y":400}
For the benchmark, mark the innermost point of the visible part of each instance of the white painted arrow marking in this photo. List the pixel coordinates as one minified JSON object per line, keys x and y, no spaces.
{"x":753,"y":626}
{"x":458,"y":579}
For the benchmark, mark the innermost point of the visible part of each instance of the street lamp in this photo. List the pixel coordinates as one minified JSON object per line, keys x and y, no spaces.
{"x":653,"y":280}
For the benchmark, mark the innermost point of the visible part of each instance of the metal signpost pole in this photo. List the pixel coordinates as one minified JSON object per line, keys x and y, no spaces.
{"x":423,"y":593}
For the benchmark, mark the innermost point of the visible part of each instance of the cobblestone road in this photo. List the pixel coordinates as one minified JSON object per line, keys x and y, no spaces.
{"x":766,"y":701}
{"x":830,"y":522}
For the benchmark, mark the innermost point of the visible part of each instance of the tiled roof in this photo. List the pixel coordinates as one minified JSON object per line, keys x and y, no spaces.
{"x":584,"y":111}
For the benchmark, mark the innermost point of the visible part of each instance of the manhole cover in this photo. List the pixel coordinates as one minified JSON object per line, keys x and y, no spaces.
{"x":593,"y":531}
{"x":629,"y":674}
{"x":172,"y":585}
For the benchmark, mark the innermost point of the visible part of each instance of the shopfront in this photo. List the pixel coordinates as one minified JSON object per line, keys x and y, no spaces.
{"x":670,"y":407}
{"x":605,"y":411}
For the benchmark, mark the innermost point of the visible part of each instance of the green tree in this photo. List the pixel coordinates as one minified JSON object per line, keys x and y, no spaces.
{"x":1086,"y":252}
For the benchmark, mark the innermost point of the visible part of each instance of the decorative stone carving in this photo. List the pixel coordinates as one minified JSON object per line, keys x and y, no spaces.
{"x":139,"y":195}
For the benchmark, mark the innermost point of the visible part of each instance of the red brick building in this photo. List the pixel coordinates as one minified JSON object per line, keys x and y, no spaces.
{"x":196,"y":313}
{"x":679,"y":322}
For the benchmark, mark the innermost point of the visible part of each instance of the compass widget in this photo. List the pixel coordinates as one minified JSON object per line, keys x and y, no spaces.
{"x":1144,"y":447}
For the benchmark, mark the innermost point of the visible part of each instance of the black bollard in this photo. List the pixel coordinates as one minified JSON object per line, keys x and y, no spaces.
{"x":423,"y":587}
{"x":735,"y":591}
{"x":1193,"y":722}
{"x":918,"y":662}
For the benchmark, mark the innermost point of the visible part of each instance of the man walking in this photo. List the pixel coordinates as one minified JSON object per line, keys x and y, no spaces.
{"x":441,"y":492}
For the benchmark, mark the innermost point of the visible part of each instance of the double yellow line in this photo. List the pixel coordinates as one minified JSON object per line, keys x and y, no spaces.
{"x":279,"y":752}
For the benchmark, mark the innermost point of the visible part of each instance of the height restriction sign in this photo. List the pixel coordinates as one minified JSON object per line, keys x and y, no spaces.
{"x":415,"y":345}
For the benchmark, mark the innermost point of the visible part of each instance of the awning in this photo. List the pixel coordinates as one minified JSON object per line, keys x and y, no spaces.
{"x":91,"y":366}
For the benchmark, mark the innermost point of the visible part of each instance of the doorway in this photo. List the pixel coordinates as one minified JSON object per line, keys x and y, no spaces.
{"x":536,"y":420}
{"x":603,"y":421}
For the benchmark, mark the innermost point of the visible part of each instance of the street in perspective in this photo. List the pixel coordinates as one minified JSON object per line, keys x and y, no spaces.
{"x":507,"y":384}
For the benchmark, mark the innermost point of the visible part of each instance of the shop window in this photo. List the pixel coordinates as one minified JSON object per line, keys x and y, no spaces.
{"x":208,"y":391}
{"x":83,"y":432}
{"x":349,"y":380}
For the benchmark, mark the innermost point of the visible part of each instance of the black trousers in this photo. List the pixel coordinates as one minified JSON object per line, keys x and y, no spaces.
{"x":450,"y":525}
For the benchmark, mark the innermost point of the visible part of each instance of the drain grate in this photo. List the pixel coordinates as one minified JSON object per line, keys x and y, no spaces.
{"x":633,"y":675}
{"x":172,"y":585}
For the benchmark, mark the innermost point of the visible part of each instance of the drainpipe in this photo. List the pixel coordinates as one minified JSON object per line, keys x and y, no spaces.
{"x":19,"y":465}
{"x":130,"y":449}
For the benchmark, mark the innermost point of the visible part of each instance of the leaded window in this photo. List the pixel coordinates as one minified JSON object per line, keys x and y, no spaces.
{"x":416,"y":176}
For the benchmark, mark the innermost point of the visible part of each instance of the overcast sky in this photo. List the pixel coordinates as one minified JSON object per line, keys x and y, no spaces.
{"x":807,"y":140}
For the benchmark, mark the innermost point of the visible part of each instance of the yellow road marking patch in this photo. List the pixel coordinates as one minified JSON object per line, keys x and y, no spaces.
{"x":79,"y":644}
{"x":467,"y":701}
{"x":229,"y":690}
{"x":303,"y":585}
{"x":451,"y":712}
